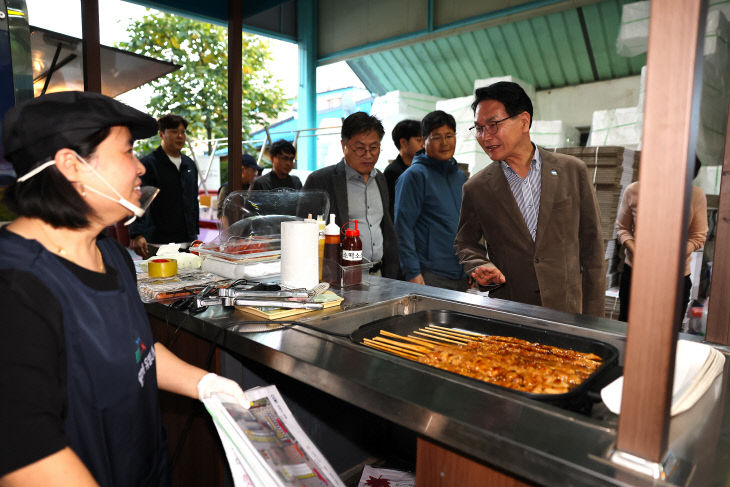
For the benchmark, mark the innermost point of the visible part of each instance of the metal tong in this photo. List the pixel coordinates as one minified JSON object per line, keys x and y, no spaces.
{"x":246,"y":293}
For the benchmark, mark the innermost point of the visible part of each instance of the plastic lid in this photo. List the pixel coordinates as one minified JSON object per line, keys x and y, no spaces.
{"x":352,"y":232}
{"x":332,"y":228}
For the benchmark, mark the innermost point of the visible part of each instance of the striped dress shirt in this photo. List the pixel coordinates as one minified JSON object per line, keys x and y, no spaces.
{"x":527,"y":191}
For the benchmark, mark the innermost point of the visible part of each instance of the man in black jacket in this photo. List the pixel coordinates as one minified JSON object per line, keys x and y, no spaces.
{"x":408,"y":140}
{"x":358,"y":191}
{"x":174,"y":214}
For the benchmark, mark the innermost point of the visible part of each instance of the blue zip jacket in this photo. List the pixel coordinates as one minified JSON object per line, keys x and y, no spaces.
{"x":427,"y":206}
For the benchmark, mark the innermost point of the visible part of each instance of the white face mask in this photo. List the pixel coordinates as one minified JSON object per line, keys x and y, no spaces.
{"x":148,"y":192}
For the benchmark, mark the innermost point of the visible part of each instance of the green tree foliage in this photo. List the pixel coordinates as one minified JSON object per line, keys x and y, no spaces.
{"x":199,"y":90}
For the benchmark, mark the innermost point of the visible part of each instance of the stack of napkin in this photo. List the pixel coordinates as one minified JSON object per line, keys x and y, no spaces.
{"x":695,"y":368}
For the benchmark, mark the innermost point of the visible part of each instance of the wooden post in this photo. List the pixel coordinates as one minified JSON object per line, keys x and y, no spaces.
{"x":718,"y":316}
{"x":235,"y":68}
{"x":671,"y":116}
{"x":91,"y":48}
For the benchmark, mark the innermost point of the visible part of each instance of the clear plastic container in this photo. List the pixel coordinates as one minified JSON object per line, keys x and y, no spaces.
{"x":251,"y":224}
{"x":354,"y":275}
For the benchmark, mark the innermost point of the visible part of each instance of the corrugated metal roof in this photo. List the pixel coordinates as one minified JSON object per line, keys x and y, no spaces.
{"x":565,"y":48}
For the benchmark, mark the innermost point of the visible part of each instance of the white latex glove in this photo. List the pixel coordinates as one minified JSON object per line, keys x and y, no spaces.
{"x":215,"y":384}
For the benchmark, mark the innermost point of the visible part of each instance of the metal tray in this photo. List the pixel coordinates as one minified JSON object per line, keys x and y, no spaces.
{"x":579,"y":399}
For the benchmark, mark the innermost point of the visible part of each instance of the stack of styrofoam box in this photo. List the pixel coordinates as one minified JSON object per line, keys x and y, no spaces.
{"x":393,"y":107}
{"x":633,"y":39}
{"x":715,"y":90}
{"x":633,"y":35}
{"x":554,"y":133}
{"x":617,"y":126}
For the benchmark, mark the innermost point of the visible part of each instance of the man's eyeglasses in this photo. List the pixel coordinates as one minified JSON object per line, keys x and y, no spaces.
{"x":360,"y":151}
{"x":449,"y":138}
{"x":490,"y":128}
{"x":285,"y":158}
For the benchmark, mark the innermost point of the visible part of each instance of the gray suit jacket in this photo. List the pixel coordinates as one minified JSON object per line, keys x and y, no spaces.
{"x":564,"y":268}
{"x":332,"y":180}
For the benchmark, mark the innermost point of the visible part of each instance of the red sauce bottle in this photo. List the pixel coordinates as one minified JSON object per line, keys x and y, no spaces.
{"x":352,"y":256}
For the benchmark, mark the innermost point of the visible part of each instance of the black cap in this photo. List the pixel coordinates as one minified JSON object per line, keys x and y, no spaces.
{"x":247,"y":160}
{"x":35,"y":130}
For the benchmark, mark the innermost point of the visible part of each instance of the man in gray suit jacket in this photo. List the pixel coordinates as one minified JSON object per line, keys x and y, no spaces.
{"x":359,"y":191}
{"x":535,"y":210}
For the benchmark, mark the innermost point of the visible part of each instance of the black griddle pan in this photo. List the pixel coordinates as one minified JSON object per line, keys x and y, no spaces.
{"x":579,"y":399}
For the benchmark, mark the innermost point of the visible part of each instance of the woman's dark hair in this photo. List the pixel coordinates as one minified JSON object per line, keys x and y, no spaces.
{"x":282,"y":147}
{"x":509,"y":94}
{"x":436,"y":119}
{"x":50,"y":197}
{"x":405,"y":129}
{"x":359,"y":123}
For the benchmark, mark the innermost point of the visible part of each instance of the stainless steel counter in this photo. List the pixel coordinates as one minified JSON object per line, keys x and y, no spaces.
{"x":538,"y":442}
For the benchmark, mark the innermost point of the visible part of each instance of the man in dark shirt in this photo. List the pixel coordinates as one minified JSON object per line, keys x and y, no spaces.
{"x":174,"y":214}
{"x":282,"y":158}
{"x":249,"y":170}
{"x":408,"y":140}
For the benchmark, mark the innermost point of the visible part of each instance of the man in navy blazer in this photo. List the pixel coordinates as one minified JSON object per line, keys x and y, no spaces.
{"x":359,"y":191}
{"x":535,"y":210}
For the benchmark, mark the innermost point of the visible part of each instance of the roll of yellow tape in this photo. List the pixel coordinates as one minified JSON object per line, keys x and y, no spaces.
{"x":162,"y":268}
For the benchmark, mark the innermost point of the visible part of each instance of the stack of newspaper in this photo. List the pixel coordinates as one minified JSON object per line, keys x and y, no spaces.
{"x":265,"y":445}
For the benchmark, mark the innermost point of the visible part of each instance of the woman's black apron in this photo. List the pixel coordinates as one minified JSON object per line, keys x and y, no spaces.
{"x":113,"y":416}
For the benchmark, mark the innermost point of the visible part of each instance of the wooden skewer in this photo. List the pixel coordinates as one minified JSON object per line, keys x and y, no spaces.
{"x":415,"y":348}
{"x":430,"y":342}
{"x":424,"y":343}
{"x":451,"y":334}
{"x":391,"y":349}
{"x":459,"y":332}
{"x":446,"y":335}
{"x":418,"y":332}
{"x":394,"y":346}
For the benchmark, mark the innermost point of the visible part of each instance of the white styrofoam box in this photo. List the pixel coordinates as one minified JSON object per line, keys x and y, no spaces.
{"x":468,"y":151}
{"x":388,"y":150}
{"x":618,"y":126}
{"x":554,"y":133}
{"x":633,"y":35}
{"x":529,"y":89}
{"x":717,"y":36}
{"x":642,"y":88}
{"x":721,"y":6}
{"x":709,"y":179}
{"x":460,"y":109}
{"x":412,"y":105}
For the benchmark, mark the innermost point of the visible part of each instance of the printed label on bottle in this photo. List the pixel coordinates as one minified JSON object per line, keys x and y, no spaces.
{"x":352,"y":255}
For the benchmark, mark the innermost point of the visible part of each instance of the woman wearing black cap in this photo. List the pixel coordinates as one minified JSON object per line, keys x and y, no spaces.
{"x":80,"y":370}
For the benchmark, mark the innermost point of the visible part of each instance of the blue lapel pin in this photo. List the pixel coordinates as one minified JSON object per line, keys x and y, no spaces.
{"x":554,"y":172}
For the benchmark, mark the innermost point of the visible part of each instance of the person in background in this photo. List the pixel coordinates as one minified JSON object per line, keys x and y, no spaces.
{"x":249,"y":171}
{"x":427,"y":206}
{"x":358,"y":191}
{"x":535,"y":210}
{"x":174,"y":215}
{"x":626,"y":229}
{"x":282,"y":154}
{"x":408,"y":140}
{"x":80,"y":367}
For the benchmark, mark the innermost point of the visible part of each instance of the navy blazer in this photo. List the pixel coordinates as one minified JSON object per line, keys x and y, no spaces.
{"x":332,"y":179}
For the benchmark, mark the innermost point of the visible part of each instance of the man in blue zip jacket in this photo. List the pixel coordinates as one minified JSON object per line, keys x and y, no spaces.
{"x":174,"y":214}
{"x":427,"y":207}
